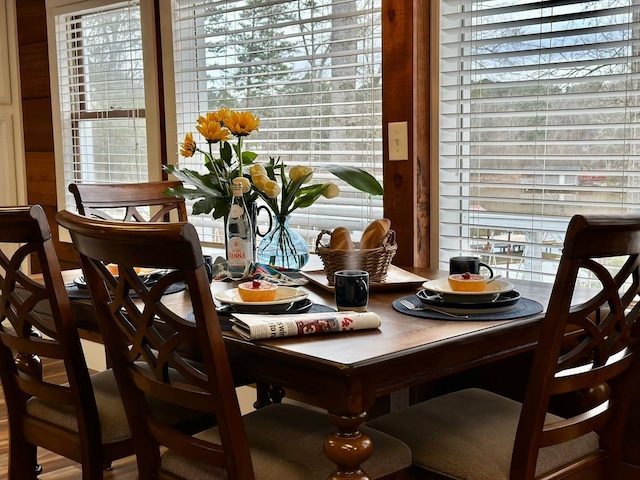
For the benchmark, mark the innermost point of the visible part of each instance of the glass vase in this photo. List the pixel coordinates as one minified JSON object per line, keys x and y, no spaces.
{"x":283,"y":247}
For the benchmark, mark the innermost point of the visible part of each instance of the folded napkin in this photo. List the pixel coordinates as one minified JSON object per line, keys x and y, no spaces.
{"x":258,"y":271}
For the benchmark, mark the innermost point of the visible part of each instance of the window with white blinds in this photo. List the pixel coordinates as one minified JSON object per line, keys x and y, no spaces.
{"x":311,"y":71}
{"x":100,"y":87}
{"x":539,"y":121}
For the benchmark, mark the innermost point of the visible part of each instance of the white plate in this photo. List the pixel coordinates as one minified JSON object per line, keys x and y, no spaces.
{"x":284,"y":295}
{"x":441,"y":286}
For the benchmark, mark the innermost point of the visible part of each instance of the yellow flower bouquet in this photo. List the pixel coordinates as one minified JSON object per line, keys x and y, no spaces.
{"x":282,"y":189}
{"x":212,"y":190}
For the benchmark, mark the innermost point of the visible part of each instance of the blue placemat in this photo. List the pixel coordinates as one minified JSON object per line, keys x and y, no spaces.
{"x":524,"y":308}
{"x":77,"y":292}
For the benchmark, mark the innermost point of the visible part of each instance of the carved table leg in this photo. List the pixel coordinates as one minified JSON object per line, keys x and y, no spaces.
{"x":267,"y":394}
{"x":262,"y":395}
{"x":348,"y":448}
{"x":276,"y":394}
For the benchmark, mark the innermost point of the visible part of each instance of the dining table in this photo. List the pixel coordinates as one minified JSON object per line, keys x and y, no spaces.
{"x":345,"y":373}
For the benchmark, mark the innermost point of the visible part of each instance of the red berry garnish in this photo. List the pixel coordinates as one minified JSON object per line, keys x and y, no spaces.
{"x":255,"y":284}
{"x":466,"y":275}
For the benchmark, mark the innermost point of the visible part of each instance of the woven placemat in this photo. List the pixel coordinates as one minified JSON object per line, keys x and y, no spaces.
{"x":524,"y":308}
{"x":82,"y":293}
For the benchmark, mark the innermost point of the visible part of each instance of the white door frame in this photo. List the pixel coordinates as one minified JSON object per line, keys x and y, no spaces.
{"x":13,"y":187}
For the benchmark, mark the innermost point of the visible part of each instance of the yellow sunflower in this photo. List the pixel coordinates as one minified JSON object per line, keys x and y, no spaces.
{"x":188,"y":147}
{"x":241,"y":124}
{"x":221,"y":115}
{"x":210,"y":128}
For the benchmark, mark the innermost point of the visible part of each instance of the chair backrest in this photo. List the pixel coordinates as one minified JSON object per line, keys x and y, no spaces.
{"x":596,"y":362}
{"x":36,"y":323}
{"x":147,"y":359}
{"x":126,"y":200}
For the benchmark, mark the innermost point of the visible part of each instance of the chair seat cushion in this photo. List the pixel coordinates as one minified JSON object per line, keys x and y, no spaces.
{"x":286,"y":442}
{"x":470,"y":435}
{"x":113,"y":420}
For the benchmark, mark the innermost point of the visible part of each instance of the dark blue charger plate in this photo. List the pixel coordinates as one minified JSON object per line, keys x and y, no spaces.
{"x":525,"y":307}
{"x":76,"y":292}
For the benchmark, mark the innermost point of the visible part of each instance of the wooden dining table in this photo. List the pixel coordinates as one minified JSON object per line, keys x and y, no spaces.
{"x":344,"y":373}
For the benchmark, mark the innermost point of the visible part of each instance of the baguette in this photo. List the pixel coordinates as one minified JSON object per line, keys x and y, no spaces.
{"x":375,"y":233}
{"x":341,"y":239}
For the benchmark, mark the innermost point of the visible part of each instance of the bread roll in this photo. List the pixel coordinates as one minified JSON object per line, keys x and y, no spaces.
{"x":341,"y":239}
{"x":375,"y":233}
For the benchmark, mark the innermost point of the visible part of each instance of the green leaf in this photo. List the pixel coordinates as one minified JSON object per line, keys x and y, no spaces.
{"x":290,"y":193}
{"x":248,"y":157}
{"x":357,"y":178}
{"x":203,"y":187}
{"x":221,"y":208}
{"x":226,"y":152}
{"x":204,"y":205}
{"x":307,"y":198}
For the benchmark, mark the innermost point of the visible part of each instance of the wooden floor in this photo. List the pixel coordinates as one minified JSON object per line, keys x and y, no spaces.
{"x":54,"y":466}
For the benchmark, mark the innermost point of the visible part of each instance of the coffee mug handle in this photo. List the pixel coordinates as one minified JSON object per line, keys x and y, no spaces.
{"x":362,"y":290}
{"x":487,"y":267}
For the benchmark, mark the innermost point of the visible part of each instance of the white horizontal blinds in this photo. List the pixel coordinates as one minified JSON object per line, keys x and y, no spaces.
{"x":310,"y":70}
{"x":539,"y":121}
{"x":101,"y":89}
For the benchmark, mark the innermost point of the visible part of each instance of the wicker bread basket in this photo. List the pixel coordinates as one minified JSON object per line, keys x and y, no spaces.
{"x":376,"y":261}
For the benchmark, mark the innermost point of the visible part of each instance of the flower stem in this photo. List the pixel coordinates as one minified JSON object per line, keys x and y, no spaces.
{"x":215,"y":167}
{"x":239,"y":153}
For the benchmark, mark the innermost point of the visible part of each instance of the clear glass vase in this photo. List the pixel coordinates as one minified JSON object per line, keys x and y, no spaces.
{"x":283,"y":247}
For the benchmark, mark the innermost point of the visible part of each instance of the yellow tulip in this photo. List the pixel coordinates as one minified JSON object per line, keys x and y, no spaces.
{"x":257,"y":169}
{"x":244,"y":182}
{"x":271,"y":189}
{"x":299,"y":171}
{"x":241,"y":124}
{"x":211,"y":129}
{"x":259,"y":180}
{"x":331,"y":190}
{"x":188,"y":147}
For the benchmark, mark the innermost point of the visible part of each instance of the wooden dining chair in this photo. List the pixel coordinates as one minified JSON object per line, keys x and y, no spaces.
{"x":129,"y":202}
{"x":274,"y":442}
{"x":82,"y":417}
{"x":475,"y":434}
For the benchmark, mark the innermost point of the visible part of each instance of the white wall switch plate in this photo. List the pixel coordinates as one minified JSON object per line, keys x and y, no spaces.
{"x":398,"y":141}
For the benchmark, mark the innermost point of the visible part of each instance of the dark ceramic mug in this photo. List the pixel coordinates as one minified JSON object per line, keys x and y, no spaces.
{"x":351,"y":289}
{"x":467,"y":265}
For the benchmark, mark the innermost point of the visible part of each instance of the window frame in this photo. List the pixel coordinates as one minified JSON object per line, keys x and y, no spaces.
{"x":171,"y":130}
{"x":152,"y":110}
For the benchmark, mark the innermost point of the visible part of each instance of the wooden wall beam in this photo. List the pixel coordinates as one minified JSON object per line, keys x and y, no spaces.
{"x":405,"y":80}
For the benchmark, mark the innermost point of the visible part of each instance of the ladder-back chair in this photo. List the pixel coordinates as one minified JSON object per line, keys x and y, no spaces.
{"x":82,"y":416}
{"x":277,"y":441}
{"x":127,"y":201}
{"x":587,"y":355}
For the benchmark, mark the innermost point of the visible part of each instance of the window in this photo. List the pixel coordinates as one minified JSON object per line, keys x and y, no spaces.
{"x":101,"y":135}
{"x":539,"y":121}
{"x":310,"y":70}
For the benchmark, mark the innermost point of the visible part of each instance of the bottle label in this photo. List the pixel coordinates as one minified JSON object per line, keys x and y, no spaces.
{"x":236,"y":211}
{"x":239,"y":252}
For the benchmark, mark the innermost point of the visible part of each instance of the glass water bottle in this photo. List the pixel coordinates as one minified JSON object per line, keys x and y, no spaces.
{"x":240,"y":248}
